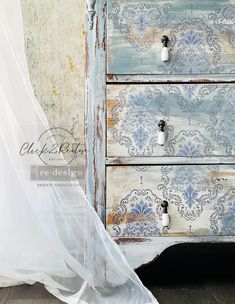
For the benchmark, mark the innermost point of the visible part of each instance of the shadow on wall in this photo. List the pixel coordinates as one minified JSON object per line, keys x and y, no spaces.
{"x":185,"y":263}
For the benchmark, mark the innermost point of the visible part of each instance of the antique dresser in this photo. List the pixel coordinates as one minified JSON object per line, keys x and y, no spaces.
{"x":161,"y":122}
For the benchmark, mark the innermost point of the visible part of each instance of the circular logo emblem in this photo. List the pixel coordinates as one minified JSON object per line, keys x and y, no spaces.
{"x":58,"y":147}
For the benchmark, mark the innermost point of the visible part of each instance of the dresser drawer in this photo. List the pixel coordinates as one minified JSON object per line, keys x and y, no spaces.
{"x":201,"y":200}
{"x":199,"y":118}
{"x":201,"y":37}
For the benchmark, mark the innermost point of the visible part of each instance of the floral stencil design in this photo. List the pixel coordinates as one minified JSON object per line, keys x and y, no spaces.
{"x":190,"y":188}
{"x":140,"y":209}
{"x":137,"y":22}
{"x":139,"y":128}
{"x":223,"y":218}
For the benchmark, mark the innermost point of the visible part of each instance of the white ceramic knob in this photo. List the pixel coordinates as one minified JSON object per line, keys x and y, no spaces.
{"x":161,"y":138}
{"x":165,"y":55}
{"x":165,"y":220}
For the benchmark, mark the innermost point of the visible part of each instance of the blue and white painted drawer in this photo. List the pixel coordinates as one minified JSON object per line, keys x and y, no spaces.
{"x":201,"y":200}
{"x":199,"y":118}
{"x":201,"y":36}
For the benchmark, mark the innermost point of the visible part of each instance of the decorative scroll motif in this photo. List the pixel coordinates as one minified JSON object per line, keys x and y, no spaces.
{"x":189,"y":97}
{"x":190,"y":188}
{"x":91,"y":12}
{"x":193,"y":189}
{"x":201,"y":41}
{"x":141,"y":168}
{"x":223,"y":218}
{"x":139,"y":210}
{"x":196,"y":50}
{"x":222,"y":120}
{"x":138,"y":111}
{"x":138,"y":22}
{"x":189,"y":143}
{"x":224,"y":20}
{"x":139,"y":128}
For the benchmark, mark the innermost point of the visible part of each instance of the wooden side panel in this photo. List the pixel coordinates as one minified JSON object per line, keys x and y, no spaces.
{"x":201,"y":200}
{"x":200,"y":120}
{"x":201,"y":34}
{"x":95,"y":125}
{"x":95,"y":105}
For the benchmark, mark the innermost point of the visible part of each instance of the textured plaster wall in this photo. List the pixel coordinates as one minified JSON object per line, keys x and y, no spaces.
{"x":55,"y":46}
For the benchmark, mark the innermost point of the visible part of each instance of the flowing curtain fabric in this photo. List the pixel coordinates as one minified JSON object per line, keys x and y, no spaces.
{"x":48,"y":234}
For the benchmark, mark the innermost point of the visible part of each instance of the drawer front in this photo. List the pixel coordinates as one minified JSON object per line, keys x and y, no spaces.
{"x":201,"y":36}
{"x":200,"y":120}
{"x":201,"y":200}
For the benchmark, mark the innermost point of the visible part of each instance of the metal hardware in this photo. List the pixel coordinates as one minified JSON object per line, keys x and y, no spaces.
{"x":164,"y":206}
{"x":161,"y":134}
{"x":161,"y":125}
{"x":165,"y":41}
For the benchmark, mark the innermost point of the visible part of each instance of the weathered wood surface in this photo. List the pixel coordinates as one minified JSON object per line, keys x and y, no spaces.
{"x":201,"y":35}
{"x":95,"y":124}
{"x":201,"y":200}
{"x":200,"y":120}
{"x":199,"y":62}
{"x":144,"y":78}
{"x":142,"y":251}
{"x":170,"y":160}
{"x":95,"y":111}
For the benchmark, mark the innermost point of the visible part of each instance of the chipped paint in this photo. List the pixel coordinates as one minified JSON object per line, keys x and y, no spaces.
{"x":122,"y":241}
{"x":95,"y":113}
{"x":134,"y":204}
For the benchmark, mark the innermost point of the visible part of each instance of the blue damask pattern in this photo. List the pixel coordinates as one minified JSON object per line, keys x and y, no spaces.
{"x":189,"y":97}
{"x":196,"y":40}
{"x":190,"y":188}
{"x":222,"y":119}
{"x":137,"y":112}
{"x":196,"y":50}
{"x":139,"y":210}
{"x":137,"y":22}
{"x":141,"y":228}
{"x":223,"y":218}
{"x":190,"y":195}
{"x":224,"y":20}
{"x":139,"y":128}
{"x":228,"y":222}
{"x":189,"y":143}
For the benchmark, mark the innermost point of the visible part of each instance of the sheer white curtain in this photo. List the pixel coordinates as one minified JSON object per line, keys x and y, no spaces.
{"x":48,"y":234}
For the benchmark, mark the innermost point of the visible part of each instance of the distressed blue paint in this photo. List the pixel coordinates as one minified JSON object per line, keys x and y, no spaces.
{"x":192,"y":192}
{"x":223,"y":218}
{"x":200,"y":120}
{"x":202,"y":36}
{"x":189,"y":188}
{"x":222,"y":119}
{"x":95,"y":116}
{"x":143,"y":204}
